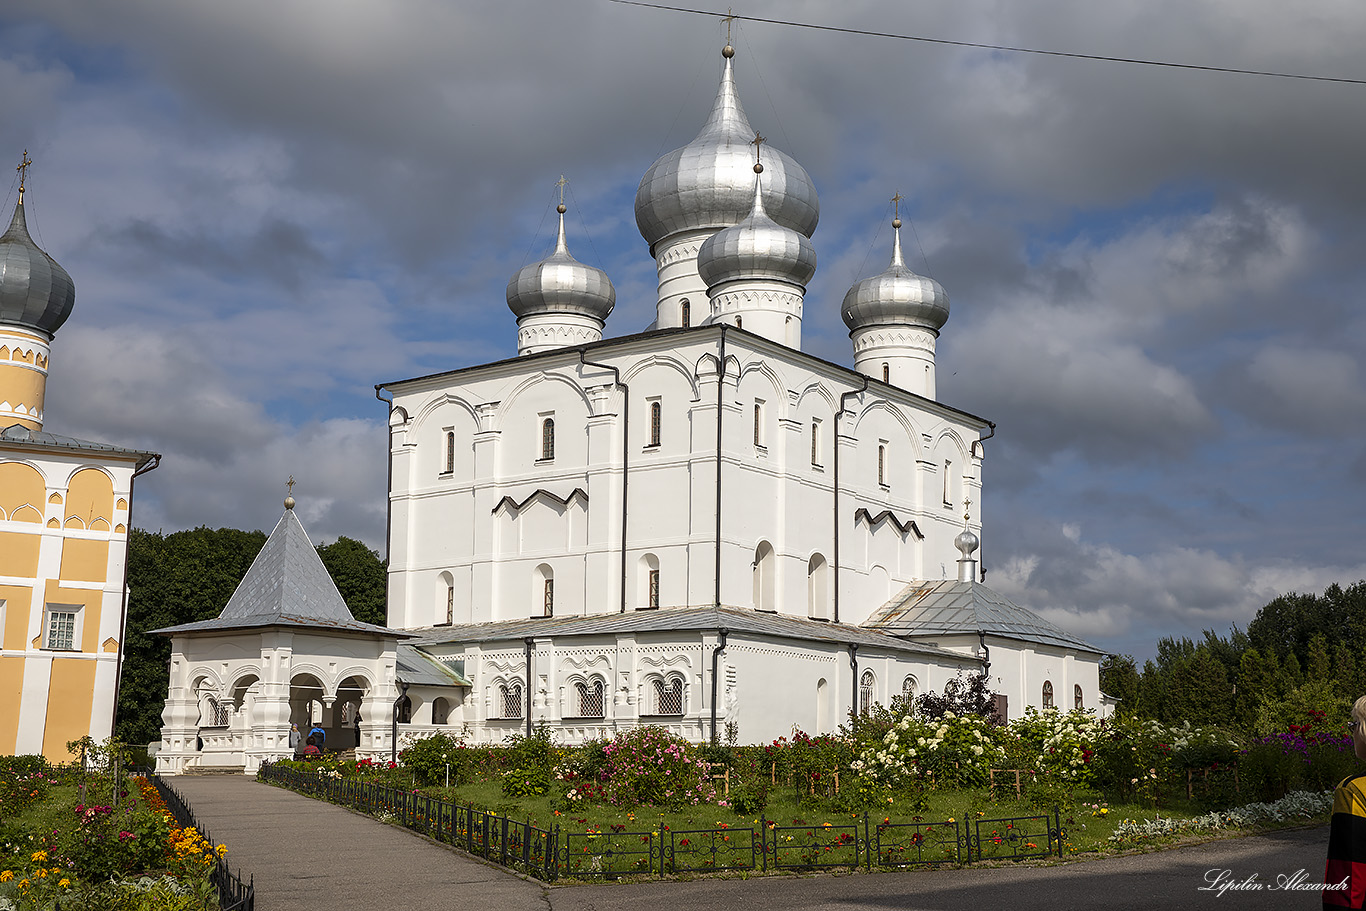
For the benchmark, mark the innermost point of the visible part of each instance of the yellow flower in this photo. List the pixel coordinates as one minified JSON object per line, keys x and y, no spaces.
{"x":64,"y":882}
{"x":222,"y":849}
{"x":6,"y":875}
{"x":38,"y":856}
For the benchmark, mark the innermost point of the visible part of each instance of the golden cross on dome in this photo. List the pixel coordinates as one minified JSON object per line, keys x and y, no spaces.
{"x":967,"y":510}
{"x":290,"y":485}
{"x":24,"y":163}
{"x":561,"y":183}
{"x":896,"y":203}
{"x":757,"y":141}
{"x":728,"y":19}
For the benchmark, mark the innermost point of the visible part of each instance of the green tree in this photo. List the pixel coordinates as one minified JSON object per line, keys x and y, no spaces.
{"x":172,"y":579}
{"x":361,"y":577}
{"x":1256,"y":686}
{"x":1119,"y":678}
{"x":1318,"y":665}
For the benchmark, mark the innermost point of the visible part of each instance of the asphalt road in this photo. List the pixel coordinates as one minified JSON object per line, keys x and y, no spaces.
{"x":306,"y":855}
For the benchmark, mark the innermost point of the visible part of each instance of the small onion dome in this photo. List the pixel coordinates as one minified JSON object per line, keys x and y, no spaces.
{"x":561,"y":284}
{"x":707,"y":183}
{"x":757,"y":248}
{"x":967,"y":544}
{"x":897,"y":297}
{"x":35,"y":292}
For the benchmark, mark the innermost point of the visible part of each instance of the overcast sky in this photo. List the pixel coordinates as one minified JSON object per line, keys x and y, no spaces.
{"x":1156,"y":275}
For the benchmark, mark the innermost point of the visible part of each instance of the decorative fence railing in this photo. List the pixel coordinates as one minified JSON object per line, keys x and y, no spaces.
{"x":550,"y":854}
{"x":233,"y":893}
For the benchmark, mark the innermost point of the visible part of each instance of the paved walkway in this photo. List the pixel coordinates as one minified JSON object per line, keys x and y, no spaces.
{"x":308,"y":855}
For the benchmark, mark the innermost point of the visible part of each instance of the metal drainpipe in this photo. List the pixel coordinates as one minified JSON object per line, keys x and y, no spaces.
{"x":528,"y":641}
{"x":625,"y":458}
{"x":836,"y":486}
{"x":720,"y":407}
{"x":981,"y":564}
{"x":715,"y":659}
{"x":388,"y":488}
{"x":853,"y":663}
{"x":147,"y":466}
{"x":986,"y":652}
{"x":393,"y":745}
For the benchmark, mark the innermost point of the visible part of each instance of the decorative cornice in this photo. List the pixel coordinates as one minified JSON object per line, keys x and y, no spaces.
{"x":540,"y":492}
{"x":887,"y":514}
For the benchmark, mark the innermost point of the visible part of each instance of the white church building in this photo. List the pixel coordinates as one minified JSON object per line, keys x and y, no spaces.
{"x":698,"y":526}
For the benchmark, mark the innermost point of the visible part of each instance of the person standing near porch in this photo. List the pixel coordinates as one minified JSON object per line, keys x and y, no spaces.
{"x":296,"y":740}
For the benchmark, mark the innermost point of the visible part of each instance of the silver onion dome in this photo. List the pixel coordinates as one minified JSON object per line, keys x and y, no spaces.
{"x":561,"y":284}
{"x":967,"y":544}
{"x":35,"y":292}
{"x":757,"y":248}
{"x":897,"y":297}
{"x":708,"y":182}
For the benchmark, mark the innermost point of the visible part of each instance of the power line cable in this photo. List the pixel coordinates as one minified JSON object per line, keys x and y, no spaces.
{"x":999,"y":47}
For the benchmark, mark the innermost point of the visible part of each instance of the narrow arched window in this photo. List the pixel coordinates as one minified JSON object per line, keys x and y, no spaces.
{"x":882,"y":465}
{"x":908,"y":688}
{"x":1048,"y":694}
{"x":865,"y":692}
{"x":739,"y":322}
{"x":656,"y":420}
{"x":450,"y":451}
{"x":550,"y":597}
{"x":590,"y":699}
{"x":886,"y":373}
{"x":511,"y":695}
{"x":684,"y":313}
{"x":669,"y":696}
{"x":815,"y":442}
{"x":1077,"y":701}
{"x":548,"y":438}
{"x":450,"y":603}
{"x":653,"y":583}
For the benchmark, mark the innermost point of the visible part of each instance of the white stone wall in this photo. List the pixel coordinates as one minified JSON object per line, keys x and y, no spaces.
{"x":446,"y":531}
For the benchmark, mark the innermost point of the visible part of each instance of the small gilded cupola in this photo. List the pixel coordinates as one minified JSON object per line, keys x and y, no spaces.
{"x":36,"y":297}
{"x":559,"y":301}
{"x":756,"y":272}
{"x":894,"y":319}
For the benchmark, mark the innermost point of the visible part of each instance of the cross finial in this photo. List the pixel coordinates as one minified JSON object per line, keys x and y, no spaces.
{"x":290,"y":484}
{"x":967,"y":510}
{"x":757,"y":142}
{"x":561,"y":183}
{"x":896,"y":204}
{"x":24,"y":163}
{"x":289,"y":497}
{"x":728,"y":19}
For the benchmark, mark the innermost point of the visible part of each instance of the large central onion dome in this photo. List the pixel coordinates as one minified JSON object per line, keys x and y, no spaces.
{"x":561,"y":284}
{"x":707,"y":183}
{"x":35,"y":292}
{"x":758,"y":248}
{"x":896,"y":297}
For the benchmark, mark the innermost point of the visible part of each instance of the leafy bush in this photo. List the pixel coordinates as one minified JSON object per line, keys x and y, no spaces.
{"x":956,"y":750}
{"x":429,"y":757}
{"x":526,"y":782}
{"x":648,"y":765}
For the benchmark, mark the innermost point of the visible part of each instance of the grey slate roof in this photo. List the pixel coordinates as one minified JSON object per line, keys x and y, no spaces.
{"x":736,"y":620}
{"x":417,"y":667}
{"x":938,"y":608}
{"x":287,"y":585}
{"x":19,"y":435}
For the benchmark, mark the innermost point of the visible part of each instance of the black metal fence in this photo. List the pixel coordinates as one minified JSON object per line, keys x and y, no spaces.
{"x":550,"y":854}
{"x":233,"y":893}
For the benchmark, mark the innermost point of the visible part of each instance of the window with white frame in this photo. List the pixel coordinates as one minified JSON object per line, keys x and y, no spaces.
{"x":886,"y":372}
{"x":61,"y":632}
{"x":449,"y":463}
{"x":510,"y":694}
{"x":1048,"y":694}
{"x":815,"y":443}
{"x":588,"y":696}
{"x":866,"y":689}
{"x":948,"y":485}
{"x":652,"y":594}
{"x":547,"y":438}
{"x":684,"y":313}
{"x":909,"y":687}
{"x":882,"y":464}
{"x":758,"y":424}
{"x":218,"y":714}
{"x":656,"y":421}
{"x":668,"y":696}
{"x":1077,"y":701}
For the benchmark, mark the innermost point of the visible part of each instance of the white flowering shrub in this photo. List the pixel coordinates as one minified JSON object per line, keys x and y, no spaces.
{"x":1063,"y":742}
{"x":955,"y":750}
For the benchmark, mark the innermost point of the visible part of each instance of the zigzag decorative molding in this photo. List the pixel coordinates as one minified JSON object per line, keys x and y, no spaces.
{"x":887,"y":514}
{"x":541,"y":492}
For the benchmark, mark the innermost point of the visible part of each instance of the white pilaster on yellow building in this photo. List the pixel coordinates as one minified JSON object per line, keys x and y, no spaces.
{"x":65,"y":506}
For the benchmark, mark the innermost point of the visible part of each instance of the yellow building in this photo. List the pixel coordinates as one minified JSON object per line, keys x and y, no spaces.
{"x":64,"y":517}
